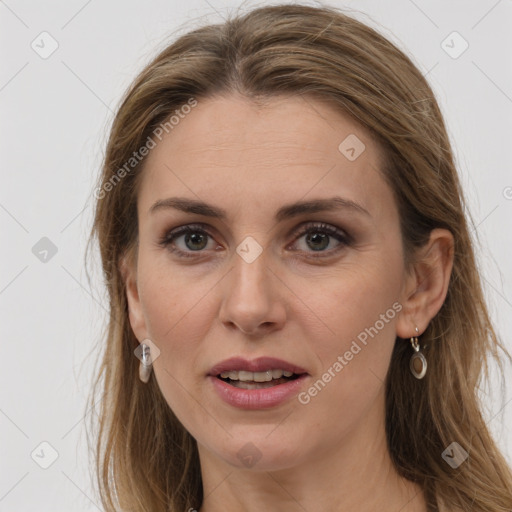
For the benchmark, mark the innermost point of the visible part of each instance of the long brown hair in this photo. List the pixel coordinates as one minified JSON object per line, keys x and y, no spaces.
{"x":145,"y":459}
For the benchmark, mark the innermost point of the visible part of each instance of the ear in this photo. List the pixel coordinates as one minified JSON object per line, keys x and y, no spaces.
{"x":128,"y":268}
{"x":426,"y":285}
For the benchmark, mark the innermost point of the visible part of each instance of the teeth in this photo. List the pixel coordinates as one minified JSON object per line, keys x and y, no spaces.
{"x":265,"y":376}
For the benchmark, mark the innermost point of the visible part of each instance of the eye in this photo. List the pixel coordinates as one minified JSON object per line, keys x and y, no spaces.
{"x":319,"y":237}
{"x":195,"y":239}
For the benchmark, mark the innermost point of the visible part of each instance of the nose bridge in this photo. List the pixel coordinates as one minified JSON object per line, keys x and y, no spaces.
{"x":249,"y":299}
{"x":250,"y":273}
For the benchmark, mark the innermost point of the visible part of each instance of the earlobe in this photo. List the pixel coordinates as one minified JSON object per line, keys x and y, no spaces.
{"x":427,"y":285}
{"x":136,"y":316}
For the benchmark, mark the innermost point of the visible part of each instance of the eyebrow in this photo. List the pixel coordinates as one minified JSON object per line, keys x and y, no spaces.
{"x":285,"y":212}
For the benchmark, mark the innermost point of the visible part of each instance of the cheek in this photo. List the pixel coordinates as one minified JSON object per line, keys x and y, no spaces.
{"x":176,"y":322}
{"x":169,"y":301}
{"x":169,"y":296}
{"x":358,"y":309}
{"x":354,"y":297}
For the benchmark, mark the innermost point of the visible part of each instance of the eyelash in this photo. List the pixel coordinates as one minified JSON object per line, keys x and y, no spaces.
{"x":332,"y":231}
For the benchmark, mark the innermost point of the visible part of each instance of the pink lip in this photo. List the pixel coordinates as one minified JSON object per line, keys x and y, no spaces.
{"x":257,"y":365}
{"x":257,"y":398}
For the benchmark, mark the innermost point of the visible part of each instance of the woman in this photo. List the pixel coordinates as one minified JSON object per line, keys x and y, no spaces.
{"x":297,"y":321}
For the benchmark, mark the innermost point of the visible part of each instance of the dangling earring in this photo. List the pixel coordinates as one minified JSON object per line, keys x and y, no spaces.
{"x":146,"y":365}
{"x":418,"y":363}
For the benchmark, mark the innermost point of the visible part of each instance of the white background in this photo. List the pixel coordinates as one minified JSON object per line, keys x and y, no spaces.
{"x":55,"y":115}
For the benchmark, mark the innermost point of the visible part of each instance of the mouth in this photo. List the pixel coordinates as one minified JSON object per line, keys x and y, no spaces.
{"x":258,"y":380}
{"x":261,"y":373}
{"x":261,"y":383}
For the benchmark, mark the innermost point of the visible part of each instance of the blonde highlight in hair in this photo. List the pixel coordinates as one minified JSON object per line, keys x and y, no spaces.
{"x":146,"y":461}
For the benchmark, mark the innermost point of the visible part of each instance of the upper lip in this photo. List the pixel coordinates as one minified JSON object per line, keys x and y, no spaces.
{"x":256,"y":365}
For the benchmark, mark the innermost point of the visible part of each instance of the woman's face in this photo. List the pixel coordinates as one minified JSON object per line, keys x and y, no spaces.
{"x":318,"y":288}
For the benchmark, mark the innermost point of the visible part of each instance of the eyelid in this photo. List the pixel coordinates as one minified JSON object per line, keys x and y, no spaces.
{"x":343,"y":237}
{"x":170,"y":235}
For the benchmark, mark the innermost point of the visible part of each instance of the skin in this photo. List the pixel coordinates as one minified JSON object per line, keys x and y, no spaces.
{"x":331,"y":453}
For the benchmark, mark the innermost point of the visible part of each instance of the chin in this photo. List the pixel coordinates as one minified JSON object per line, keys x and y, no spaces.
{"x":258,"y":453}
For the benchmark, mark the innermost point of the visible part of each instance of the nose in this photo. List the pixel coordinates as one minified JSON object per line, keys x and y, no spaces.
{"x":253,"y":297}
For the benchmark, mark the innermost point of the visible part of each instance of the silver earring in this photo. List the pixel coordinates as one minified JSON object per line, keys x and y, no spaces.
{"x":418,"y":363}
{"x":146,"y":365}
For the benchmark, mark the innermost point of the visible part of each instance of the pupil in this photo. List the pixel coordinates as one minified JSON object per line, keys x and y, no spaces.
{"x":194,"y":237}
{"x":318,"y":237}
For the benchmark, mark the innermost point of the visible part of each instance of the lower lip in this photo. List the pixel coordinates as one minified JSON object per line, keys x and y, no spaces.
{"x":257,"y":398}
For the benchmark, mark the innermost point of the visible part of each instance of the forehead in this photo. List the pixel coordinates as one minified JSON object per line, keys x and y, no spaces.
{"x":231,"y":149}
